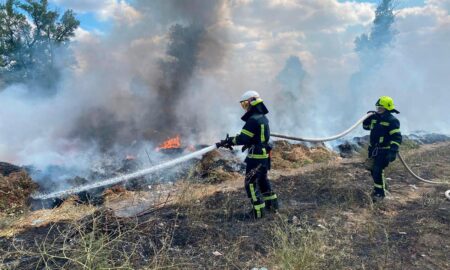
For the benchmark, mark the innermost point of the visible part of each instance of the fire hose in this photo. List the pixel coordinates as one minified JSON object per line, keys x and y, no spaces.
{"x":326,"y":139}
{"x":199,"y":153}
{"x":342,"y":134}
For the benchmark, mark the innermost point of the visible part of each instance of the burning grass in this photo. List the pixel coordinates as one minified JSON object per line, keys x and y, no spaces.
{"x":170,"y":143}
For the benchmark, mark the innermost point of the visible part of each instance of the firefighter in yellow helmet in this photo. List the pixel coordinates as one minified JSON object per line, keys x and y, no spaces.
{"x":385,"y":139}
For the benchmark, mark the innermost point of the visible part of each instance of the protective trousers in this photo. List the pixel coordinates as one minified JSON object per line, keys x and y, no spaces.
{"x":380,"y":162}
{"x":259,"y":189}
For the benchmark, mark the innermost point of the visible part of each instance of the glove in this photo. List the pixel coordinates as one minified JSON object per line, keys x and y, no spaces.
{"x":392,"y":155}
{"x":227,"y":143}
{"x":371,"y":112}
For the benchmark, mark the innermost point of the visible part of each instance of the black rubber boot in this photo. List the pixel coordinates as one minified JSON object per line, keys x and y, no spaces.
{"x":377,"y":197}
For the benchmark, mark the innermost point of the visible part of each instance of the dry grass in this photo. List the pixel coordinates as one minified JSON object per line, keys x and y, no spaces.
{"x":297,"y":246}
{"x":99,"y":241}
{"x":79,"y":245}
{"x":70,"y":210}
{"x":15,"y":190}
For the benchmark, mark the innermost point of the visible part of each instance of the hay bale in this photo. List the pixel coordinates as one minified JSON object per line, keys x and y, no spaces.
{"x":216,"y":167}
{"x":321,"y":154}
{"x":286,"y":155}
{"x":297,"y":155}
{"x":15,"y":190}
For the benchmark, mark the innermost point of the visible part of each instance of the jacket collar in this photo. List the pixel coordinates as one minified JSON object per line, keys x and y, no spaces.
{"x":257,"y":107}
{"x":385,"y":115}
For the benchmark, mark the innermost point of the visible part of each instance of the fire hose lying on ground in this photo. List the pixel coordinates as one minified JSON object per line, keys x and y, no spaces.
{"x":199,"y":153}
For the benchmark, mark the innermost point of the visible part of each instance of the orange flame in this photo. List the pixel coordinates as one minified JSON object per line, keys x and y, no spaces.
{"x":174,"y":142}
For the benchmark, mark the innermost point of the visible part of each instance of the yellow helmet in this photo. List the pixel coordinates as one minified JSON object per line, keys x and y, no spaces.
{"x":387,"y":103}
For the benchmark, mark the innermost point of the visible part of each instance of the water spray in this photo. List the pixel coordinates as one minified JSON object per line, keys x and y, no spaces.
{"x":123,"y":178}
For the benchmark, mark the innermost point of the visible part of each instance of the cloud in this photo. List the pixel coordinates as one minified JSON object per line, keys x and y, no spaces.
{"x":443,"y":4}
{"x":265,"y":33}
{"x":82,"y":35}
{"x":120,"y":11}
{"x":83,"y":5}
{"x":312,"y":15}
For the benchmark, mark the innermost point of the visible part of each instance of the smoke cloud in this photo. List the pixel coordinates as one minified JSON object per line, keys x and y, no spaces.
{"x":151,"y":112}
{"x":125,"y":94}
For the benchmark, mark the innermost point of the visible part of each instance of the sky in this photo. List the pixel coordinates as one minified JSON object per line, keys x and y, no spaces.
{"x":96,"y":15}
{"x":99,"y":15}
{"x":121,"y":44}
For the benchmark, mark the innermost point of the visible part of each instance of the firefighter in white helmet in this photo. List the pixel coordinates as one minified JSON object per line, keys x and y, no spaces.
{"x":254,"y":137}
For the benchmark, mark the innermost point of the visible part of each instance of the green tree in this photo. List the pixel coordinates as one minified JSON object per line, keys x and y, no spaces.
{"x":14,"y":34}
{"x":381,"y":33}
{"x":372,"y":49}
{"x":30,"y":36}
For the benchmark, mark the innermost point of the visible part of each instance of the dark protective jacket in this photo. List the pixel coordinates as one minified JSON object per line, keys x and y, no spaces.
{"x":255,"y":134}
{"x":384,"y":131}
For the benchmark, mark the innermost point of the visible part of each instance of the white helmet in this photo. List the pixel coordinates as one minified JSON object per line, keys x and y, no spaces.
{"x":248,"y":95}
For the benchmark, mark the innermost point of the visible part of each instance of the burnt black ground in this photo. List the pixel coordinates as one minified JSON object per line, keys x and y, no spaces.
{"x":408,"y":231}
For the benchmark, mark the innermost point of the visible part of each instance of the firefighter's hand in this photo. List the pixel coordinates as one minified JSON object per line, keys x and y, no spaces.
{"x":391,"y":156}
{"x":223,"y":143}
{"x":227,"y":143}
